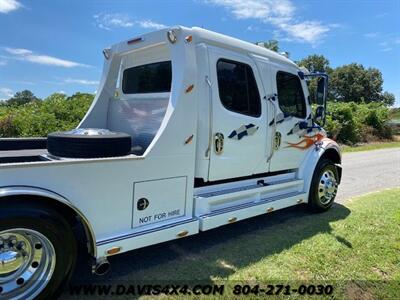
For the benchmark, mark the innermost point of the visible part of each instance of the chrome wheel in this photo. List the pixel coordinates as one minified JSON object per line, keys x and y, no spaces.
{"x":327,"y":187}
{"x":27,"y":262}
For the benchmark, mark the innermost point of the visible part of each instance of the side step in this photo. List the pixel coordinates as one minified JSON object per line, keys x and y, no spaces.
{"x":236,"y":213}
{"x":225,"y":196}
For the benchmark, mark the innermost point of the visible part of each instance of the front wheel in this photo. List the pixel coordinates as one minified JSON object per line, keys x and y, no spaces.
{"x":37,"y":252}
{"x":324,"y":186}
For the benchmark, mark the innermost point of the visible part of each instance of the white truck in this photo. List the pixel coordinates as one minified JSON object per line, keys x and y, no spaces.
{"x":189,"y":130}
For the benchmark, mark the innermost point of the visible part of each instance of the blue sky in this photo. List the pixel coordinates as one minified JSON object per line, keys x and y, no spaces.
{"x":50,"y":46}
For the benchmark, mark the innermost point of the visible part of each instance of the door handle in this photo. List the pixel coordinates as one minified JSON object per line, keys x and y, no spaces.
{"x":218,"y":143}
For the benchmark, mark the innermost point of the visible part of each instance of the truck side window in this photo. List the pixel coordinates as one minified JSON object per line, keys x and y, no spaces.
{"x":290,"y":95}
{"x":150,"y":78}
{"x":238,"y":88}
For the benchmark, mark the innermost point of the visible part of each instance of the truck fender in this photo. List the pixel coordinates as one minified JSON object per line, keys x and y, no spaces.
{"x":326,"y":149}
{"x":42,"y":193}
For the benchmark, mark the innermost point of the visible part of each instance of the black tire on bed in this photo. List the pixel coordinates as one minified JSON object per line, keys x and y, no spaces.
{"x":72,"y":145}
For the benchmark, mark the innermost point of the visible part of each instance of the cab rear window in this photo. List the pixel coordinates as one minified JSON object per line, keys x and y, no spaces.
{"x":149,"y":78}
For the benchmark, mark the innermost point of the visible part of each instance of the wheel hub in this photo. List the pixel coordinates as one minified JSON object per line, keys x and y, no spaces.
{"x":327,"y":188}
{"x":27,"y":261}
{"x":13,"y":254}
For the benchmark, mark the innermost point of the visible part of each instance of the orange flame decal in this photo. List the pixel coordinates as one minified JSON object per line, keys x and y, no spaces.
{"x":307,"y":141}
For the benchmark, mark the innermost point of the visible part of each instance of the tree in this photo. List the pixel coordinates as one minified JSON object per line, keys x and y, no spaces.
{"x":388,"y":98}
{"x":355,"y":83}
{"x":315,"y":63}
{"x":271,"y":45}
{"x":21,"y":98}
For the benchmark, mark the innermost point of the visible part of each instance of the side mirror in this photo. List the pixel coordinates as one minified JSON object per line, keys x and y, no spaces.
{"x":321,"y":91}
{"x":320,"y":115}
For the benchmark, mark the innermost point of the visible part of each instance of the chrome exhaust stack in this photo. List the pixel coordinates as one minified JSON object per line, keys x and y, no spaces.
{"x":102,"y":267}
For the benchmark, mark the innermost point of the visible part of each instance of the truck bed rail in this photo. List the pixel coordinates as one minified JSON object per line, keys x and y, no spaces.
{"x":7,"y":144}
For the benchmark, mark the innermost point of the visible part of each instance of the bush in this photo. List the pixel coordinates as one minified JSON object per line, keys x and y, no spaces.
{"x":36,"y":119}
{"x":351,"y":123}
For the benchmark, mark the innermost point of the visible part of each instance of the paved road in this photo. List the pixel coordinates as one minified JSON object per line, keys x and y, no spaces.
{"x":363,"y":172}
{"x":369,"y":171}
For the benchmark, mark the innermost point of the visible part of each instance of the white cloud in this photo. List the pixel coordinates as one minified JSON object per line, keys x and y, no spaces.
{"x":3,"y":62}
{"x":7,"y":6}
{"x":309,"y":31}
{"x":111,"y":21}
{"x":6,"y":93}
{"x":279,"y":13}
{"x":30,"y":56}
{"x":81,"y":81}
{"x":150,"y":24}
{"x":371,"y":35}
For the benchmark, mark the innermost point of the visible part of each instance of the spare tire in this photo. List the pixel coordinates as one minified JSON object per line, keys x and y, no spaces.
{"x":88,"y":143}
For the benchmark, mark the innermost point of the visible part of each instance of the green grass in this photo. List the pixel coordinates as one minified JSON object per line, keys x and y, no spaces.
{"x":359,"y":254}
{"x":372,"y":146}
{"x":356,"y":248}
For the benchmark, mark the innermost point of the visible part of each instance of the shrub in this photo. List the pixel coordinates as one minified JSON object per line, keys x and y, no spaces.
{"x":56,"y":113}
{"x":351,"y":123}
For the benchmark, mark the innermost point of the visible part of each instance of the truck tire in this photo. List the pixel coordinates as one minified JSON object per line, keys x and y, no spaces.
{"x":37,"y":252}
{"x":88,"y":143}
{"x":324,"y":186}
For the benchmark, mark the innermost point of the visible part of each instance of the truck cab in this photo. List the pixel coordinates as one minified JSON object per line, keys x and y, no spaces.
{"x":217,"y":130}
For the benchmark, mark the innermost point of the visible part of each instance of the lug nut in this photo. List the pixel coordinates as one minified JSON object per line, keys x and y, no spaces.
{"x":21,"y":245}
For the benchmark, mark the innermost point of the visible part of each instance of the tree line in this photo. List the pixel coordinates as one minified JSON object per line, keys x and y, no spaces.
{"x":348,"y":83}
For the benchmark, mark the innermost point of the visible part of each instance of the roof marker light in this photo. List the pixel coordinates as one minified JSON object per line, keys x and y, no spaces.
{"x":135,"y":40}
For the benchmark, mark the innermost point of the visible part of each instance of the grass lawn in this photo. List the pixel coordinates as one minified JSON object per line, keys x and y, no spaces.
{"x":359,"y":255}
{"x":355,"y":248}
{"x":372,"y":146}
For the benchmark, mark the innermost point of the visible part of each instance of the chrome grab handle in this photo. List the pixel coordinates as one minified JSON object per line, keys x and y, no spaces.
{"x":273,"y":131}
{"x":218,"y":143}
{"x":208,"y":81}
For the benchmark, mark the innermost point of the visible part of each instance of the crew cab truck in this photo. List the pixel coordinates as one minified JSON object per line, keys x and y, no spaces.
{"x":190,"y":130}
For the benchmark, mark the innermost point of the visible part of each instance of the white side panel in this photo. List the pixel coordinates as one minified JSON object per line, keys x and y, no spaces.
{"x":250,"y":194}
{"x":144,"y":239}
{"x":157,"y":201}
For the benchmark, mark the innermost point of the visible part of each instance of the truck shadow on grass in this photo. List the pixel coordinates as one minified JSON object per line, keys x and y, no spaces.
{"x":217,"y":253}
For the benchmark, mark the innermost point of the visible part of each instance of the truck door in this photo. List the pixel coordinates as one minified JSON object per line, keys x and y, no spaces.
{"x":290,"y":142}
{"x":238,"y":125}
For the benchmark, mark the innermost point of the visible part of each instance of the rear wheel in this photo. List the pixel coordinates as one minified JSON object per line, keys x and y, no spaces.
{"x":324,"y":186}
{"x":37,"y":252}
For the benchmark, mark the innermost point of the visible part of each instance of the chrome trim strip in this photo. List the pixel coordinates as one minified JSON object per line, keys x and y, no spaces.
{"x":144,"y":232}
{"x":247,"y":205}
{"x":42,"y":192}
